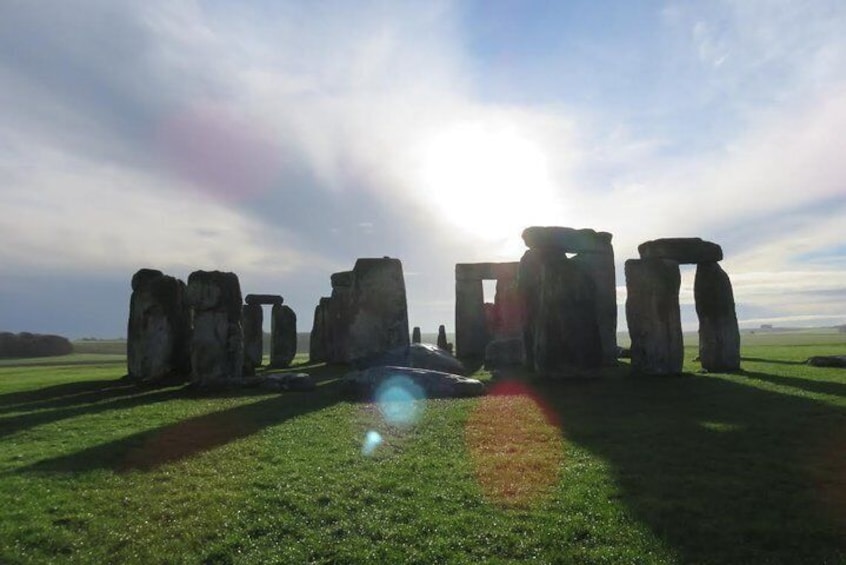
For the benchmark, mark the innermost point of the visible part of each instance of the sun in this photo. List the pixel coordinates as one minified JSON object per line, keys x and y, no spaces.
{"x":488,"y":178}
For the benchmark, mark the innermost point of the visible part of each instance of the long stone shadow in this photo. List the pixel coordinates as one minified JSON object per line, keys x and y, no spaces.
{"x":721,"y":471}
{"x":66,"y":394}
{"x":810,"y":385}
{"x":150,"y":449}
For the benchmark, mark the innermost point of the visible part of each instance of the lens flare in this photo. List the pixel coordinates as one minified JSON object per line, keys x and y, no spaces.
{"x":516,"y":446}
{"x":372,"y":440}
{"x":400,"y":400}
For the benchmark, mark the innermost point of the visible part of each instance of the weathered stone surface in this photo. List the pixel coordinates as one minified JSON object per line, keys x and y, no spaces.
{"x":263,"y":299}
{"x":442,"y":339}
{"x":569,"y":240}
{"x":339,"y":316}
{"x":318,"y":342}
{"x":283,"y":336}
{"x":566,"y":331}
{"x":252,"y":319}
{"x":600,"y":268}
{"x":503,"y":353}
{"x":435,"y":384}
{"x":486,"y":271}
{"x":294,"y":382}
{"x":838,"y":361}
{"x":379,"y":313}
{"x":529,"y":284}
{"x":418,"y":355}
{"x":652,"y":313}
{"x":471,"y":333}
{"x":719,"y":335}
{"x":158,"y":330}
{"x":342,"y":279}
{"x":217,"y":346}
{"x":415,"y":335}
{"x":684,"y":250}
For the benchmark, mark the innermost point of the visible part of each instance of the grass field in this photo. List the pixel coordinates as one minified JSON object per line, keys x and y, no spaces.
{"x":703,"y":468}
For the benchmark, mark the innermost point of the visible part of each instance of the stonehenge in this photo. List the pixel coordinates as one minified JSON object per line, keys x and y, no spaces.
{"x":554,"y":312}
{"x":652,"y":307}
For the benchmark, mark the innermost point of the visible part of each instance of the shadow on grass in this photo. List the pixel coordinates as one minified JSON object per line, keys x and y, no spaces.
{"x":720,"y":470}
{"x":810,"y":385}
{"x":149,"y":450}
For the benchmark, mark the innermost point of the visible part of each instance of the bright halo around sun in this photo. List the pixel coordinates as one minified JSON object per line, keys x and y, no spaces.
{"x":488,"y":178}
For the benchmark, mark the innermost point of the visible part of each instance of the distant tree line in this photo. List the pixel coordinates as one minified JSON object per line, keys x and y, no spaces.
{"x":26,"y":344}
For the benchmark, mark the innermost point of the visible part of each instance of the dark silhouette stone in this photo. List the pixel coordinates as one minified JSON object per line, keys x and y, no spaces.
{"x":263,"y":299}
{"x":283,"y":336}
{"x":217,"y":342}
{"x":476,"y":323}
{"x":837,"y":361}
{"x":569,"y":240}
{"x":565,"y":329}
{"x":318,"y":342}
{"x":505,"y":353}
{"x":442,"y":339}
{"x":652,"y":312}
{"x":471,"y":334}
{"x":415,"y":335}
{"x":683,"y":250}
{"x":158,"y":330}
{"x":252,"y":319}
{"x":719,"y":336}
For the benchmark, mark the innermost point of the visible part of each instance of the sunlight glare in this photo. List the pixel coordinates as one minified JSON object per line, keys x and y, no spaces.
{"x":489,"y":178}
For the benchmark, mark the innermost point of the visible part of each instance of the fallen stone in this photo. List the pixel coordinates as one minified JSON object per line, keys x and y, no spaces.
{"x":435,"y":384}
{"x":417,"y":355}
{"x":294,"y":382}
{"x":263,"y":299}
{"x":684,"y":250}
{"x":838,"y":361}
{"x":569,"y":240}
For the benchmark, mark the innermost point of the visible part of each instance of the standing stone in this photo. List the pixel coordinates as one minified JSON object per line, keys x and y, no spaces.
{"x":529,"y":283}
{"x":442,"y":339}
{"x":719,"y":336}
{"x":509,"y":310}
{"x":600,"y":268}
{"x":318,"y":345}
{"x":470,"y":324}
{"x":159,"y":329}
{"x":379,"y":309}
{"x":283,"y":336}
{"x":652,"y":312}
{"x":252,"y":319}
{"x":566,"y":332}
{"x":217,"y":346}
{"x":339,"y":315}
{"x":415,"y":335}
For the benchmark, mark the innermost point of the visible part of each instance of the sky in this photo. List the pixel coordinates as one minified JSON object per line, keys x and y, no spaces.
{"x":283,"y":140}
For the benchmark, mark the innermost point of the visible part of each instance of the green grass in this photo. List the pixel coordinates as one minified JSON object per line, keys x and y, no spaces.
{"x":703,"y":468}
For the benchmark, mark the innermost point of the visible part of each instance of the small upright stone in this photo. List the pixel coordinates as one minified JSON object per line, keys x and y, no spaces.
{"x":318,"y":344}
{"x":217,"y":346}
{"x":415,"y":335}
{"x":283,"y":336}
{"x":442,"y":338}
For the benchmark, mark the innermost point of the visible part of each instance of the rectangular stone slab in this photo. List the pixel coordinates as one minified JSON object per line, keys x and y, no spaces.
{"x":264,"y":299}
